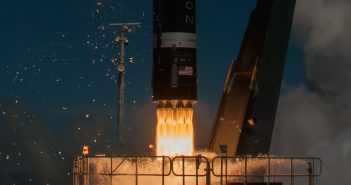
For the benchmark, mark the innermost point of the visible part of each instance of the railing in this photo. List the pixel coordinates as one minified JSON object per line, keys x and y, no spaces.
{"x":267,"y":168}
{"x":199,"y":165}
{"x":139,"y":170}
{"x":123,"y":166}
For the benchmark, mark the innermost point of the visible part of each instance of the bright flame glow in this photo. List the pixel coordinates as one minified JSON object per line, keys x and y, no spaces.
{"x":174,"y":135}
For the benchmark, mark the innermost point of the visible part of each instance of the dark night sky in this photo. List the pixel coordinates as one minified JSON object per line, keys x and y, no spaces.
{"x":58,"y":78}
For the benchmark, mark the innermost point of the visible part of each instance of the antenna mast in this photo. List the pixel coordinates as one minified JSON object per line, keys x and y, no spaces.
{"x":122,"y":41}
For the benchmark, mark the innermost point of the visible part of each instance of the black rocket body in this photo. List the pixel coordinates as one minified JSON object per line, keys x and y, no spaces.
{"x":174,"y":50}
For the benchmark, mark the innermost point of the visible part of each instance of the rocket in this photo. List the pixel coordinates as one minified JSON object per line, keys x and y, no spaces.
{"x":174,"y":76}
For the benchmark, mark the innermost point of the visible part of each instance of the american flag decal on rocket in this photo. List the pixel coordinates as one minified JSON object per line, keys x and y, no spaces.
{"x":185,"y":70}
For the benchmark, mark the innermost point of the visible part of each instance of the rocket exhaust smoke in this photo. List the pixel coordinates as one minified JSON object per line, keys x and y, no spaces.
{"x":314,"y":118}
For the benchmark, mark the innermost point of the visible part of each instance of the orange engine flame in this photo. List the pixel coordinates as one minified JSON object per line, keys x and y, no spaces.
{"x":174,"y":135}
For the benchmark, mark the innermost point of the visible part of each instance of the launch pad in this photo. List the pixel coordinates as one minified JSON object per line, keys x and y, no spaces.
{"x":244,"y":123}
{"x":195,"y":170}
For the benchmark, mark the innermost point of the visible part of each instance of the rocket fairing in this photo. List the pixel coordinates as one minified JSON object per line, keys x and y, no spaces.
{"x":174,"y":51}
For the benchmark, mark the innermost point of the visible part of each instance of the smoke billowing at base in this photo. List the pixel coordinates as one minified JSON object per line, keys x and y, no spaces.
{"x":313,"y":119}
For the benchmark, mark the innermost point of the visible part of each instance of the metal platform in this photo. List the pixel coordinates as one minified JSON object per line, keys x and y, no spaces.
{"x":194,"y":170}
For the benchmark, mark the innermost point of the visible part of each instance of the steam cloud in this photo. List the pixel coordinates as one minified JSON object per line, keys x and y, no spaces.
{"x":313,"y":119}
